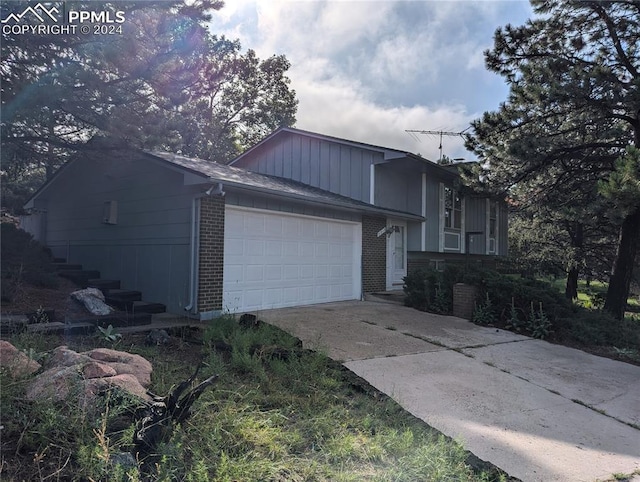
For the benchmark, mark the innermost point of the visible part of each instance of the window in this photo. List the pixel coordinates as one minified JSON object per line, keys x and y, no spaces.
{"x":452,"y":209}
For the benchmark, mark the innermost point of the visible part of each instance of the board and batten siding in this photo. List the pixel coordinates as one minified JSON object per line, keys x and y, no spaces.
{"x":475,"y":221}
{"x":148,"y":249}
{"x":334,"y":167}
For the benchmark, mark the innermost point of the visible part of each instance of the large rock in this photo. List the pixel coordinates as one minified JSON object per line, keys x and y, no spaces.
{"x":87,"y":374}
{"x":93,"y":300}
{"x":15,"y":362}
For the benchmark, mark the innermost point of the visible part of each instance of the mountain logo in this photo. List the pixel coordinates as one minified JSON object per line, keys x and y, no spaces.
{"x":40,"y":12}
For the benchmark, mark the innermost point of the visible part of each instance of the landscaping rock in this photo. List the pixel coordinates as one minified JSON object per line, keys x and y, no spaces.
{"x":124,"y":363}
{"x":93,"y":300}
{"x":17,"y":363}
{"x":62,"y":356}
{"x":90,"y":373}
{"x":157,"y":338}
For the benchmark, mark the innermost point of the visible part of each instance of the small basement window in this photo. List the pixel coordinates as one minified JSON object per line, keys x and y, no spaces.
{"x":110,"y":212}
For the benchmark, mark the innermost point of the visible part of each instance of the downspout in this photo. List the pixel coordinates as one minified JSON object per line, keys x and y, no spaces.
{"x":215,"y":190}
{"x":193,"y":246}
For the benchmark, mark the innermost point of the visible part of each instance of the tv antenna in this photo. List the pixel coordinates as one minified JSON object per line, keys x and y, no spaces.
{"x":413,"y":133}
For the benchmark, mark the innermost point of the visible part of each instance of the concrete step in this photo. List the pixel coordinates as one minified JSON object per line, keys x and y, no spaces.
{"x":104,"y":285}
{"x":148,"y":307}
{"x":80,"y":277}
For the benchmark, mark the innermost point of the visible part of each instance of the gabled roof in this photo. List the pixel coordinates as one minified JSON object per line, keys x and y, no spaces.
{"x":205,"y":172}
{"x":282,"y":187}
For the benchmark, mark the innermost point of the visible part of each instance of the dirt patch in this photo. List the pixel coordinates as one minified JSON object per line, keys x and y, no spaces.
{"x":28,"y":299}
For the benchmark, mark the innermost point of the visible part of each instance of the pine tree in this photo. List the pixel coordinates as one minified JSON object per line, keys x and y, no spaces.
{"x":573,"y":108}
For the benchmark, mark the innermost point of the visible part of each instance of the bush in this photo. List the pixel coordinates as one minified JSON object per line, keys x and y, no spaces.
{"x":500,"y":298}
{"x":529,"y":306}
{"x":431,"y":290}
{"x":24,"y":260}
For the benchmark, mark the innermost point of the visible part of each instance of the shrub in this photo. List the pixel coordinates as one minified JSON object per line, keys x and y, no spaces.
{"x":501,"y":298}
{"x":24,"y":260}
{"x":432,"y":290}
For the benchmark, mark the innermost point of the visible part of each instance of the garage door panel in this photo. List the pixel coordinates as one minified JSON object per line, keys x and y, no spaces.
{"x":273,"y":273}
{"x":277,"y":260}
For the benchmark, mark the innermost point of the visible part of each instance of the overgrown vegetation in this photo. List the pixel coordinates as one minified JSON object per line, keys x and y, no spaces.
{"x":530,"y":306}
{"x":276,"y":413}
{"x":24,"y":261}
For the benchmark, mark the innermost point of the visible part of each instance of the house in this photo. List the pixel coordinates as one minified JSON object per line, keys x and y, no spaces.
{"x":300,"y":218}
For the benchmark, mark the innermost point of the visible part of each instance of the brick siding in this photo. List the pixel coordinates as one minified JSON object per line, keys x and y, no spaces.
{"x":464,"y":300}
{"x":211,"y":255}
{"x":374,"y":255}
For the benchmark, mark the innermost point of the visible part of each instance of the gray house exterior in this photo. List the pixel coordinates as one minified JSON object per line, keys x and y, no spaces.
{"x":300,"y":218}
{"x":455,"y":224}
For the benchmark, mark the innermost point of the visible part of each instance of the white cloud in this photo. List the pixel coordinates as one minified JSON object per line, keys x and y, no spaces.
{"x":352,"y":115}
{"x":369,"y":70}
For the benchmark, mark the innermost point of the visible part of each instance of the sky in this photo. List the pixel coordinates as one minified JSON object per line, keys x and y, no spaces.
{"x":368,"y":70}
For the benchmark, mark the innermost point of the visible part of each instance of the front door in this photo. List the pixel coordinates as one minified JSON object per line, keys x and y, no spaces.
{"x":396,"y":254}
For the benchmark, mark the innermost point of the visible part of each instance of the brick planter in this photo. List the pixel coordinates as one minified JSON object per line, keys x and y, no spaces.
{"x":464,"y":300}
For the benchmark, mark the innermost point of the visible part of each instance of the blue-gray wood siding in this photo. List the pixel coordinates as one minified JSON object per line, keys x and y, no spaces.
{"x":249,"y":200}
{"x":475,"y":221}
{"x":432,"y":239}
{"x":331,"y":166}
{"x":149,"y":247}
{"x":398,"y":189}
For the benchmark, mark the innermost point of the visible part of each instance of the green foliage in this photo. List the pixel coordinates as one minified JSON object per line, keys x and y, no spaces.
{"x":164,"y":82}
{"x":109,"y":334}
{"x":538,"y":324}
{"x":302,"y":417}
{"x":484,"y":313}
{"x":552,"y":146}
{"x":622,"y":188}
{"x":24,"y":261}
{"x":432,"y":290}
{"x":502,"y":299}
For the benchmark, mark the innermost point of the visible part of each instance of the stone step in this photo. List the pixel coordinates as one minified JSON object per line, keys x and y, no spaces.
{"x":80,"y":277}
{"x":148,"y":307}
{"x":104,"y":285}
{"x":67,"y":266}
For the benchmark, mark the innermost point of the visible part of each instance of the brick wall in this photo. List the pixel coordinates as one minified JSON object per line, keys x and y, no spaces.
{"x":374,"y":255}
{"x":211,"y":255}
{"x":464,"y":300}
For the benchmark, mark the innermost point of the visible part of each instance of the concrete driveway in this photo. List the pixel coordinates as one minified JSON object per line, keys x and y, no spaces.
{"x":540,"y":412}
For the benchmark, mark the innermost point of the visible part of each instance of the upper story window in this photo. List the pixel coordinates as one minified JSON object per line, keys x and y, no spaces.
{"x":452,"y":208}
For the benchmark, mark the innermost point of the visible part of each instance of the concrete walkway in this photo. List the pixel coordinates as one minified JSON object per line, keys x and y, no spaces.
{"x":540,"y":412}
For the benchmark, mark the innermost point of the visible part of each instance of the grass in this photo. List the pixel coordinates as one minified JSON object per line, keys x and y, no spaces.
{"x":277,"y":413}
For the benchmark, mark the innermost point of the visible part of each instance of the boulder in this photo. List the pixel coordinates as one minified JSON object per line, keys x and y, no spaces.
{"x":124,"y":363}
{"x":62,"y":356}
{"x":93,"y":300}
{"x":17,"y":363}
{"x":87,"y":374}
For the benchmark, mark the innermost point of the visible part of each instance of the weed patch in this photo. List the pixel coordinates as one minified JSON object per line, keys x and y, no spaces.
{"x":276,"y":413}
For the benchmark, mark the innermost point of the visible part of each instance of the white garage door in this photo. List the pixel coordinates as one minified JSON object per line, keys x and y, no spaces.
{"x":274,"y":260}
